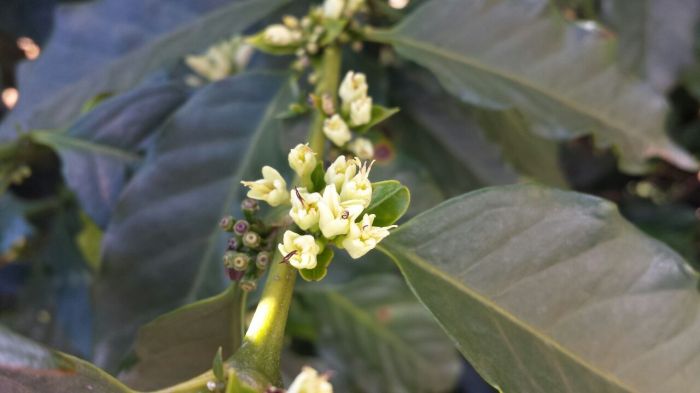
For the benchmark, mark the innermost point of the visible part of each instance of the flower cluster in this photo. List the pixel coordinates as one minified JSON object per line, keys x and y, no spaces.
{"x":306,"y":36}
{"x":221,"y":60}
{"x":355,"y":112}
{"x":249,"y":250}
{"x":328,"y":210}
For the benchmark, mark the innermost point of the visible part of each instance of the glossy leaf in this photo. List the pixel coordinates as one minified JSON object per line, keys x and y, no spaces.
{"x":656,"y":37}
{"x":164,"y":234}
{"x":496,"y":146}
{"x":546,"y":291}
{"x":187,"y":337}
{"x":379,"y":114}
{"x":558,"y":75}
{"x":64,"y":106}
{"x":97,"y":152}
{"x":28,"y":367}
{"x":376,"y":337}
{"x":390,"y":200}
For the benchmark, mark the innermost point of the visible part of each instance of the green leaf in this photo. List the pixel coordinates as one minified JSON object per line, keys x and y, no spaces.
{"x":390,"y":200}
{"x":186,"y":337}
{"x":28,"y":367}
{"x":379,"y":114}
{"x":164,"y":234}
{"x":167,"y":51}
{"x":218,"y":366}
{"x":470,"y":133}
{"x":318,"y":178}
{"x":530,"y":154}
{"x":546,"y":290}
{"x":98,"y":151}
{"x":322,"y":262}
{"x":376,"y":337}
{"x":656,"y":38}
{"x":502,"y":54}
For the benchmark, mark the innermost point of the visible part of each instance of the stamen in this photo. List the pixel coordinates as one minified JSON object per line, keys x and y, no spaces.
{"x":296,"y":190}
{"x":288,"y":256}
{"x":346,"y":215}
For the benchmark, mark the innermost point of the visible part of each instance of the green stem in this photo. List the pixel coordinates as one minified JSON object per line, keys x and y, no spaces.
{"x":262,"y":344}
{"x":329,"y":73}
{"x":240,"y":297}
{"x":258,"y":359}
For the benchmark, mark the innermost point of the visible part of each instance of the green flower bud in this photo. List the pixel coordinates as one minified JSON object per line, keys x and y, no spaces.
{"x":248,"y":285}
{"x":262,"y":260}
{"x":251,"y":239}
{"x":241,"y":261}
{"x":250,"y":206}
{"x":227,"y":223}
{"x":241,"y":227}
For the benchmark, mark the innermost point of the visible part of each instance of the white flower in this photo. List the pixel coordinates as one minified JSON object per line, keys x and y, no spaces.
{"x":310,"y":381}
{"x":280,"y":35}
{"x":363,"y":148}
{"x":339,"y":171}
{"x":271,"y":188}
{"x":353,"y":87}
{"x":336,"y":130}
{"x":363,"y":237}
{"x":304,"y":210}
{"x":361,"y":111}
{"x":333,"y":8}
{"x":303,"y":160}
{"x":300,"y":251}
{"x":359,"y":188}
{"x":336,"y":217}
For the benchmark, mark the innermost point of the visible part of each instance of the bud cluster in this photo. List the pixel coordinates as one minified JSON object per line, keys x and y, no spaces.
{"x":221,"y":60}
{"x":327,"y":211}
{"x":356,"y":113}
{"x":249,"y":250}
{"x":305,"y":37}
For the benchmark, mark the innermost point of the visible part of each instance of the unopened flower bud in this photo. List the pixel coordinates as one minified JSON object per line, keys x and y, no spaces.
{"x":280,"y":35}
{"x":302,"y":159}
{"x":361,"y":111}
{"x":232,"y":244}
{"x":312,"y":48}
{"x":226,"y":223}
{"x":262,"y":260}
{"x":251,"y":239}
{"x":327,"y":105}
{"x":353,"y":87}
{"x":240,"y":227}
{"x":337,"y":130}
{"x":290,"y":21}
{"x":333,"y":8}
{"x":248,"y":285}
{"x":363,"y":148}
{"x":234,"y":275}
{"x":250,"y":206}
{"x":229,"y":256}
{"x":240,"y":262}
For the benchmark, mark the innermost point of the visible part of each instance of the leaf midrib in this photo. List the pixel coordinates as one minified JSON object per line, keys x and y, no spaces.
{"x":386,"y":248}
{"x":238,"y":174}
{"x":61,"y":139}
{"x":390,"y":37}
